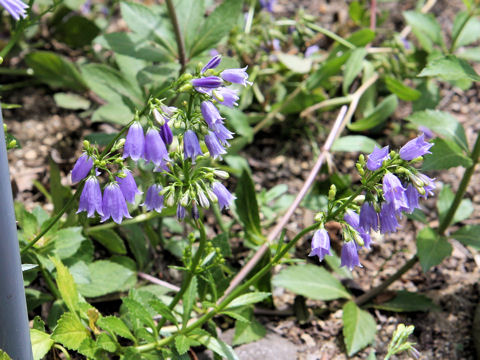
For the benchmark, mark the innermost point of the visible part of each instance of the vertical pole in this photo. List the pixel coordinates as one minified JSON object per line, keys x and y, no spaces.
{"x":14,"y":330}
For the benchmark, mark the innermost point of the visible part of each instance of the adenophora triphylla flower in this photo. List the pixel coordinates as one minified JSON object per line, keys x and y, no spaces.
{"x":415,"y":148}
{"x":82,"y":167}
{"x":134,"y":142}
{"x":191,"y":146}
{"x":91,"y":198}
{"x":412,"y":198}
{"x":377,"y":157}
{"x":128,"y":186}
{"x":224,"y":196}
{"x":16,"y":8}
{"x":155,"y":149}
{"x":226,"y":96}
{"x":213,"y":145}
{"x":268,"y":5}
{"x":210,"y":114}
{"x":236,"y":76}
{"x":113,"y":204}
{"x":153,"y":199}
{"x":388,"y":219}
{"x":180,"y":212}
{"x":349,"y":255}
{"x":368,"y":217}
{"x":353,"y":219}
{"x":166,"y":133}
{"x":320,"y":244}
{"x":212,"y":64}
{"x":223,"y":134}
{"x":311,"y":50}
{"x":394,"y":192}
{"x":208,"y":82}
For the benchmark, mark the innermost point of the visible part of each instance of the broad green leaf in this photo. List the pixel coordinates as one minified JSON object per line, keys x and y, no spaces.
{"x":449,"y":68}
{"x":248,"y":299}
{"x":115,"y":112}
{"x":425,"y":27}
{"x":247,"y":332}
{"x":470,"y":54}
{"x":359,"y":328}
{"x":67,"y":241}
{"x":295,"y":63}
{"x":190,"y":18}
{"x":403,"y":91}
{"x":468,"y":235}
{"x":76,"y":31}
{"x":431,"y":248}
{"x":217,"y":26}
{"x":116,"y":326}
{"x":106,"y":343}
{"x":361,"y":37}
{"x":110,"y":240}
{"x":217,"y":346}
{"x":41,"y":343}
{"x":247,"y":207}
{"x":334,"y":262}
{"x":470,"y":32}
{"x":354,"y":143}
{"x":137,"y":242}
{"x":430,"y":95}
{"x":445,"y":199}
{"x":443,"y":123}
{"x":353,"y":67}
{"x":71,"y":101}
{"x":405,"y":301}
{"x":106,"y":277}
{"x":445,"y":154}
{"x":4,"y":356}
{"x":70,"y":332}
{"x":189,"y":300}
{"x":55,"y":70}
{"x":66,"y":285}
{"x":238,"y":121}
{"x":379,"y":115}
{"x":311,"y":281}
{"x":60,"y":193}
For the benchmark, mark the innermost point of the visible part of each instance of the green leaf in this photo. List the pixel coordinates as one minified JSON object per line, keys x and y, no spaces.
{"x":470,"y":54}
{"x":110,"y":240}
{"x":217,"y":346}
{"x":445,"y":154}
{"x":115,"y":112}
{"x":138,"y":312}
{"x":359,"y":328}
{"x":190,"y":20}
{"x":4,"y":356}
{"x":71,"y":101}
{"x":41,"y":344}
{"x":189,"y":300}
{"x":247,"y":299}
{"x":70,"y":332}
{"x":443,"y":123}
{"x":60,"y":193}
{"x":469,"y":236}
{"x":115,"y":326}
{"x":247,"y":332}
{"x":217,"y":26}
{"x":295,"y":63}
{"x":247,"y":207}
{"x":403,"y":91}
{"x":183,"y":343}
{"x":379,"y":115}
{"x":445,"y":200}
{"x":430,"y":95}
{"x":137,"y":243}
{"x":405,"y":301}
{"x":239,"y":121}
{"x":470,"y":32}
{"x":106,"y":277}
{"x":431,"y":248}
{"x":77,"y":31}
{"x":425,"y":27}
{"x":311,"y":281}
{"x":55,"y":70}
{"x":164,"y":311}
{"x":66,"y":285}
{"x":353,"y":67}
{"x":354,"y":143}
{"x":106,"y":343}
{"x":449,"y":68}
{"x":67,"y":241}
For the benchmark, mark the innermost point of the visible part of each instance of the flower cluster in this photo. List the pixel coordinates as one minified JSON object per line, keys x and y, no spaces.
{"x":402,"y":185}
{"x":175,"y":141}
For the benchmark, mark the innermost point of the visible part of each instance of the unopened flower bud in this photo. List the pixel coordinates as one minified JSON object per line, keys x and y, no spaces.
{"x":170,"y":200}
{"x":119,"y":144}
{"x":202,"y":199}
{"x":319,"y":217}
{"x":221,"y":174}
{"x":185,"y":77}
{"x":185,"y":88}
{"x":360,"y":169}
{"x":158,"y":117}
{"x":358,"y":239}
{"x":332,"y":192}
{"x":418,"y":159}
{"x":185,"y":200}
{"x":417,"y":182}
{"x":12,"y":144}
{"x":361,"y":159}
{"x":86,"y":144}
{"x":211,"y":195}
{"x":121,"y":175}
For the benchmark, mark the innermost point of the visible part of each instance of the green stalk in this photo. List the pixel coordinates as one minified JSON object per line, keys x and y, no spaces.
{"x":332,"y":35}
{"x":178,"y":35}
{"x":137,"y":219}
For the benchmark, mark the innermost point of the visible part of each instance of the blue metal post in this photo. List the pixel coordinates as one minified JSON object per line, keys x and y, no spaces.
{"x":14,"y":330}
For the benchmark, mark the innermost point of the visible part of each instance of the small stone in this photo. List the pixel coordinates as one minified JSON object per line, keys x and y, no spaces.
{"x":31,"y":155}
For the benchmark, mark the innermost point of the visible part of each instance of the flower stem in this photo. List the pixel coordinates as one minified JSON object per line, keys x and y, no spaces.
{"x":332,"y":35}
{"x":137,"y":219}
{"x":178,"y":34}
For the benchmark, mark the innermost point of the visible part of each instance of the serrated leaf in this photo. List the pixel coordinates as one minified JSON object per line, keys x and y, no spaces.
{"x":247,"y":299}
{"x":311,"y":281}
{"x":359,"y":328}
{"x":183,"y":343}
{"x":445,"y":154}
{"x":247,"y":332}
{"x":164,"y":311}
{"x":67,"y":241}
{"x":115,"y":326}
{"x":110,"y":240}
{"x":217,"y":346}
{"x":106,"y":343}
{"x":425,"y":27}
{"x":450,"y":68}
{"x":69,"y":331}
{"x":378,"y":116}
{"x":405,"y":301}
{"x":403,"y":91}
{"x":138,"y":312}
{"x":235,"y":316}
{"x":41,"y":343}
{"x":354,"y":143}
{"x":353,"y":67}
{"x":295,"y":63}
{"x":431,"y":248}
{"x":443,"y":123}
{"x":445,"y":200}
{"x":66,"y":285}
{"x":468,"y":235}
{"x":470,"y":31}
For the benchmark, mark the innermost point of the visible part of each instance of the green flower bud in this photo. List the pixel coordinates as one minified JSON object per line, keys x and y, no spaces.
{"x":158,"y":117}
{"x":12,"y":144}
{"x":360,"y":169}
{"x":185,"y":200}
{"x":221,"y":174}
{"x":185,"y":88}
{"x":332,"y":192}
{"x":86,"y":144}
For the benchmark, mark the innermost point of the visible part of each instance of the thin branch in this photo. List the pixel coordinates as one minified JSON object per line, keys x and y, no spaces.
{"x":178,"y":34}
{"x":373,"y":14}
{"x":156,"y":281}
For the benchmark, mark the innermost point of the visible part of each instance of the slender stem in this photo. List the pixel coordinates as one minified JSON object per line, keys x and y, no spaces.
{"x":178,"y":34}
{"x":191,"y":273}
{"x":54,"y":220}
{"x":332,"y":35}
{"x":156,"y":281}
{"x":13,"y":40}
{"x":137,"y":219}
{"x":373,"y":14}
